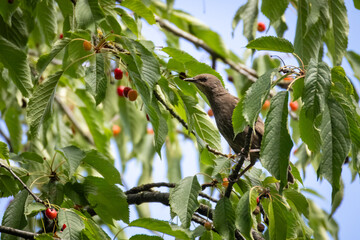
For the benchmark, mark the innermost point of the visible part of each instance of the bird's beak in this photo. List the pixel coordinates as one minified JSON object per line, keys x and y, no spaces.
{"x":190,"y":79}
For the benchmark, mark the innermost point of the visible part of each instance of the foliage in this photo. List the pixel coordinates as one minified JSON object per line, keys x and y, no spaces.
{"x":64,"y":99}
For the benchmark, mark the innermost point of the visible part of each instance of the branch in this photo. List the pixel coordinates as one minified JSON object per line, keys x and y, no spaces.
{"x":184,"y":124}
{"x":72,"y":119}
{"x":240,"y":68}
{"x":36,"y":198}
{"x":147,"y":187}
{"x":18,"y":233}
{"x":243,"y":155}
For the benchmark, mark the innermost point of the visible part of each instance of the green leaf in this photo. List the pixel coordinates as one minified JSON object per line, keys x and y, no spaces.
{"x":40,"y":104}
{"x":32,"y":209}
{"x":276,"y":143}
{"x":308,"y":39}
{"x":224,"y":219}
{"x":74,"y":224}
{"x":255,"y":97}
{"x":14,"y":26}
{"x":108,"y":200}
{"x":299,"y":200}
{"x":192,"y":65}
{"x":277,"y":220}
{"x":309,"y":131}
{"x":238,"y":120}
{"x":14,"y":215}
{"x":141,"y":9}
{"x":128,"y":20}
{"x":145,"y":237}
{"x":104,"y":166}
{"x":46,"y":59}
{"x":337,"y":35}
{"x":201,"y":122}
{"x":273,"y":10}
{"x":87,"y":13}
{"x":47,"y":19}
{"x":243,"y":220}
{"x":15,"y":60}
{"x":280,"y":26}
{"x":357,"y":4}
{"x":73,"y":156}
{"x":94,"y":231}
{"x":248,"y":13}
{"x":12,"y":120}
{"x":336,"y":144}
{"x":94,"y":121}
{"x":316,"y":89}
{"x":183,"y":199}
{"x":222,"y":165}
{"x":354,"y":60}
{"x":7,"y":10}
{"x":4,"y":151}
{"x":96,"y":80}
{"x":160,"y":226}
{"x":272,"y":44}
{"x":29,"y":156}
{"x":343,"y":92}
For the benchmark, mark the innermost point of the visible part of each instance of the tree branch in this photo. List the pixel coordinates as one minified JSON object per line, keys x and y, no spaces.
{"x":18,"y":233}
{"x":7,"y":139}
{"x":240,"y":68}
{"x":36,"y":198}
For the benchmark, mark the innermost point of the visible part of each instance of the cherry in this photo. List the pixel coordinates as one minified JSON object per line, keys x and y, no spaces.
{"x":260,"y":227}
{"x":63,"y":227}
{"x":118,"y":73}
{"x":50,"y":213}
{"x":61,"y":36}
{"x":208,"y":225}
{"x":87,"y":45}
{"x":257,"y":210}
{"x":150,"y":131}
{"x":132,"y":95}
{"x":261,"y":26}
{"x":210,"y":112}
{"x":288,"y":79}
{"x":116,"y":129}
{"x":126,"y":91}
{"x":266,"y":105}
{"x":257,"y":200}
{"x":120,"y":91}
{"x":230,"y":78}
{"x":225,"y":182}
{"x":294,"y":105}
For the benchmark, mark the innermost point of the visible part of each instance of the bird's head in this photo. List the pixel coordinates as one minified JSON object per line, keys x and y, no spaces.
{"x":207,"y":83}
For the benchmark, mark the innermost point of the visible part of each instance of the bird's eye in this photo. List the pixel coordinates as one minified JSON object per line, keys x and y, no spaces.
{"x":203,"y":79}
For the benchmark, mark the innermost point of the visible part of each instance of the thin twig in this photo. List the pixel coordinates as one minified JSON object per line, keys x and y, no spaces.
{"x":36,"y":198}
{"x":241,"y":68}
{"x":184,"y":124}
{"x":72,"y":119}
{"x":204,"y":195}
{"x":8,"y":141}
{"x":18,"y":233}
{"x":147,"y":187}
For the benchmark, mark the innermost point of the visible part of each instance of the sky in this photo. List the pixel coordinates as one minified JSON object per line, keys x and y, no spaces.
{"x":218,"y":16}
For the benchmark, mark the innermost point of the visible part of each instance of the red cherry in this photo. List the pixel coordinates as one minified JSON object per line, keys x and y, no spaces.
{"x":87,"y":45}
{"x":261,"y":26}
{"x":210,"y":112}
{"x":51,"y":213}
{"x":257,"y":200}
{"x":288,"y":79}
{"x":225,"y":182}
{"x":118,"y":73}
{"x":294,"y":106}
{"x":126,"y":91}
{"x":61,"y":36}
{"x":120,"y":91}
{"x":63,"y":227}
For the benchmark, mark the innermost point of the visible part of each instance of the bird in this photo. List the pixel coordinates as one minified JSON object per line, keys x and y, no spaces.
{"x":223,"y":104}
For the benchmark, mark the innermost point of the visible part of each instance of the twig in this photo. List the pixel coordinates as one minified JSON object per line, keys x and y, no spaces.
{"x":7,"y":139}
{"x":72,"y":119}
{"x":184,"y":124}
{"x":241,"y":68}
{"x":243,"y":155}
{"x":204,"y":195}
{"x":37,"y":199}
{"x":18,"y":233}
